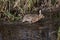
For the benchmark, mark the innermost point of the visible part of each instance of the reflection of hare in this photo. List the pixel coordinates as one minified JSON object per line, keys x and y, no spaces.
{"x":32,"y":18}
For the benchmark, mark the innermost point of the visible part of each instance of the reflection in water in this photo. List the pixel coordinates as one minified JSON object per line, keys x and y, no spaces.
{"x":24,"y":34}
{"x":0,"y":36}
{"x":29,"y":34}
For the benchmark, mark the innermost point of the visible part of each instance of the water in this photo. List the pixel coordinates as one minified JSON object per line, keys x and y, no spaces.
{"x":0,"y":36}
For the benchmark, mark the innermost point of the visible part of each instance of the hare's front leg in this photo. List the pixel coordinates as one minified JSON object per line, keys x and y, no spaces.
{"x":23,"y":20}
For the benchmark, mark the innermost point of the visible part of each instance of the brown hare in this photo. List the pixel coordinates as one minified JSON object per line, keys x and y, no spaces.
{"x":32,"y":18}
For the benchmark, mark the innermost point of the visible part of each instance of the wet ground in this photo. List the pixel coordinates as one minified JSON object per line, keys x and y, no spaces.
{"x":24,"y":32}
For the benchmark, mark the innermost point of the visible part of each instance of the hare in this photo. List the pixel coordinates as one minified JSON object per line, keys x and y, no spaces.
{"x":32,"y":18}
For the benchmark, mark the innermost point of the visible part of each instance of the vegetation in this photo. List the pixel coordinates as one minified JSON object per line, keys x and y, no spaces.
{"x":14,"y":10}
{"x":11,"y":10}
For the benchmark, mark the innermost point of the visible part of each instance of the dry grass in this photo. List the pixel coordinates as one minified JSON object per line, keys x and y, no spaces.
{"x":14,"y":10}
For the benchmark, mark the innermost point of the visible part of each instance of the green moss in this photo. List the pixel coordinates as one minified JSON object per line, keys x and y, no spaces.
{"x":53,"y":2}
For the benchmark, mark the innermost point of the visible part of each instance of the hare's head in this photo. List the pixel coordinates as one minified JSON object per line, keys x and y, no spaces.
{"x":40,"y":15}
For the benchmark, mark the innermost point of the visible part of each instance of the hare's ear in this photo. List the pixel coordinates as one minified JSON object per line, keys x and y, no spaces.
{"x":39,"y":12}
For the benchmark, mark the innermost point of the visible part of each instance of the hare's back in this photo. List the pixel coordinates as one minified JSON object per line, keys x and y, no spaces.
{"x":31,"y":15}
